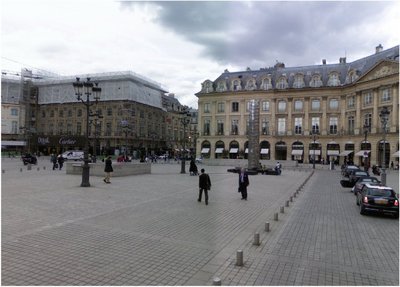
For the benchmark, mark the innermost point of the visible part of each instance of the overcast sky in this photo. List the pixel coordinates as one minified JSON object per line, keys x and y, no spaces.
{"x":181,"y":44}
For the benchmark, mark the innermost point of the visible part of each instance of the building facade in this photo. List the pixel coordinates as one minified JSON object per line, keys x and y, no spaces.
{"x":327,"y":112}
{"x":134,"y":115}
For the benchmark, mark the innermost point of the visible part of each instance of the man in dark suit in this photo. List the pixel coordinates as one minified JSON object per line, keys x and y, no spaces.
{"x":204,"y":185}
{"x":243,"y":183}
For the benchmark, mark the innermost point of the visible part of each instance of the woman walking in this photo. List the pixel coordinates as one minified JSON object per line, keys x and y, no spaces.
{"x":108,"y":169}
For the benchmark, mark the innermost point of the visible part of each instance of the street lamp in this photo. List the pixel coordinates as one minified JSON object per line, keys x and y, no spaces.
{"x":185,"y":120}
{"x":87,"y":88}
{"x":366,"y":130}
{"x":384,"y":115}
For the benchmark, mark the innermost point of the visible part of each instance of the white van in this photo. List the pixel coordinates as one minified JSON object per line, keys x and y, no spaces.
{"x":73,"y":155}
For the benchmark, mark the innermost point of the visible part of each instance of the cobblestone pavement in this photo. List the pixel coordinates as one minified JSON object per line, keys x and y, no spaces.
{"x":150,"y":230}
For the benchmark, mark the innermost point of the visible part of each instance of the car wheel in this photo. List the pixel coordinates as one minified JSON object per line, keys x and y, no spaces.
{"x":362,"y":209}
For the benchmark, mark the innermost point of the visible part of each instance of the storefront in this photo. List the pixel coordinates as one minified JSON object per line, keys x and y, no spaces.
{"x":58,"y":144}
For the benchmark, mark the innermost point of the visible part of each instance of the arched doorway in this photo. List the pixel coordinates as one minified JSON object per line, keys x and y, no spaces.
{"x":314,"y":154}
{"x":348,"y":153}
{"x":280,"y":150}
{"x":233,"y":149}
{"x":205,"y":149}
{"x":265,"y":150}
{"x":298,"y":151}
{"x":383,"y":158}
{"x":219,"y":149}
{"x":332,"y":152}
{"x":364,"y":154}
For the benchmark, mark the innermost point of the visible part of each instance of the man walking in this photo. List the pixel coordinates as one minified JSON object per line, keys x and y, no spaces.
{"x":204,"y":185}
{"x":243,"y":183}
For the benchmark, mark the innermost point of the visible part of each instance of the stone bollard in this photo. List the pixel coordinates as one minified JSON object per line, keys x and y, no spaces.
{"x":287,"y":203}
{"x":239,"y":258}
{"x":20,"y":169}
{"x":267,"y":226}
{"x":282,"y":209}
{"x":294,"y":194}
{"x":256,"y":239}
{"x":29,"y":167}
{"x":291,"y":199}
{"x":44,"y":168}
{"x":276,"y":216}
{"x":216,"y":281}
{"x":38,"y":168}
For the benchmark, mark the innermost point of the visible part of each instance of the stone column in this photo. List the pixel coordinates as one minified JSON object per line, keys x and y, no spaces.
{"x":376,"y":123}
{"x":394,"y":110}
{"x":254,"y":134}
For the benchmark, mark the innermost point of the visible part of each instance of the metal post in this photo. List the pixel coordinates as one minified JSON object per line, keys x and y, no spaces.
{"x":267,"y":226}
{"x":216,"y":281}
{"x":256,"y":239}
{"x":239,"y":258}
{"x":384,"y":115}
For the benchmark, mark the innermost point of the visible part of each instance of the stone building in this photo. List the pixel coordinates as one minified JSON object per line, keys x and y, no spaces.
{"x":327,"y":112}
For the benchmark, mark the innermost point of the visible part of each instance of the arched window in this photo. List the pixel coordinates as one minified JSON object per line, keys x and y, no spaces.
{"x":333,"y":80}
{"x":251,"y":85}
{"x":236,"y":86}
{"x":282,"y":83}
{"x":316,"y":81}
{"x":298,"y":81}
{"x":266,"y":84}
{"x":221,"y":87}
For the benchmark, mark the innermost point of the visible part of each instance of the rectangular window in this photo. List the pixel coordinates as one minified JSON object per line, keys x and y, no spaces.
{"x":206,"y":129}
{"x":265,"y":106}
{"x":14,"y":112}
{"x":220,"y":127}
{"x":281,"y":106}
{"x":368,"y":120}
{"x":108,"y":129}
{"x":60,"y":128}
{"x":315,"y":105}
{"x":206,"y":107}
{"x":221,"y":107}
{"x":51,"y":114}
{"x":385,"y":95}
{"x":315,"y":125}
{"x":61,"y":113}
{"x":78,"y":128}
{"x":367,"y":99}
{"x":109,"y":112}
{"x":235,"y":127}
{"x":333,"y":104}
{"x":14,"y":127}
{"x":43,"y":114}
{"x":281,"y":126}
{"x":350,"y":102}
{"x":235,"y":107}
{"x":265,"y":127}
{"x":350,"y":122}
{"x":69,"y":129}
{"x":298,"y":105}
{"x":333,"y":122}
{"x":298,"y":126}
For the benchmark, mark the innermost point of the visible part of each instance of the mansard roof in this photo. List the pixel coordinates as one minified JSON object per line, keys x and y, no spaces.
{"x":360,"y":67}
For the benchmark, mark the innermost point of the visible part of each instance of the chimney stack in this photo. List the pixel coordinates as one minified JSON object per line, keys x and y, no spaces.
{"x":342,"y":60}
{"x":323,"y":61}
{"x":378,"y":49}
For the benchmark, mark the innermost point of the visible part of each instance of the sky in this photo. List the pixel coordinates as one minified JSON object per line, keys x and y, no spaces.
{"x":181,"y":44}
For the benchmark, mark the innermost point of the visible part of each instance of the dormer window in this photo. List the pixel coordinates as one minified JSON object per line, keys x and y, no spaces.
{"x":208,"y":87}
{"x":236,"y":85}
{"x":316,"y":81}
{"x":221,"y":87}
{"x":282,"y":83}
{"x":266,"y":84}
{"x":351,"y":76}
{"x":333,"y":80}
{"x":251,"y":85}
{"x":298,"y":81}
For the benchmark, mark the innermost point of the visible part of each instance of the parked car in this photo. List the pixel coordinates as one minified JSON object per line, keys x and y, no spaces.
{"x":375,"y":198}
{"x":28,"y":158}
{"x":363,"y":180}
{"x":356,"y":174}
{"x":73,"y":155}
{"x":347,"y":169}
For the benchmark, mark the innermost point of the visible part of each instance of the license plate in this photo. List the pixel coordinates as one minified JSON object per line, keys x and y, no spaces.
{"x":381,"y":201}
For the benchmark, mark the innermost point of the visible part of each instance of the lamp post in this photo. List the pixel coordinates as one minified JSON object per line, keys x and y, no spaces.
{"x":384,"y":115}
{"x":366,"y":130}
{"x":87,"y":88}
{"x":185,"y":120}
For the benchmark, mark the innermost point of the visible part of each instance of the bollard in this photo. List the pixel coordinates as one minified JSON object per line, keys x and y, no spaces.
{"x":291,"y":199}
{"x":239,"y":258}
{"x":267,"y":226}
{"x":287,"y":203}
{"x":44,"y":168}
{"x":282,"y":209}
{"x":256,"y":239}
{"x":20,"y":169}
{"x":294,"y":194}
{"x":276,"y":216}
{"x":38,"y":168}
{"x":3,"y":171}
{"x":29,"y":167}
{"x":217,"y":281}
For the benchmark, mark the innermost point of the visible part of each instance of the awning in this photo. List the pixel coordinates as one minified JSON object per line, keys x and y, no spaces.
{"x":233,"y":150}
{"x":396,"y":154}
{"x":246,"y":151}
{"x":264,"y":151}
{"x":332,"y":152}
{"x":362,"y":152}
{"x":315,"y":152}
{"x":13,"y":143}
{"x":205,"y":150}
{"x":219,"y":150}
{"x":346,"y":152}
{"x":297,"y":152}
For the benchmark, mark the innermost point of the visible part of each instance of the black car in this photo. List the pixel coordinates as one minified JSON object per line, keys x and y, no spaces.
{"x":356,"y":174}
{"x":347,"y":169}
{"x":363,"y":180}
{"x":29,"y":158}
{"x":375,"y":198}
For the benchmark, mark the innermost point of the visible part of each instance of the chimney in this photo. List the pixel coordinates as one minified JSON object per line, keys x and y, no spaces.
{"x":342,"y":60}
{"x":323,"y":61}
{"x":172,"y":95}
{"x":378,"y":49}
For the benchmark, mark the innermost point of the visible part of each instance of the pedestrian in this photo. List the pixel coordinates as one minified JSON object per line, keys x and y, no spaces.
{"x":193,"y":168}
{"x":392,"y":165}
{"x":60,"y":160}
{"x":243,"y":183}
{"x":54,"y":161}
{"x":108,"y":169}
{"x":204,"y":185}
